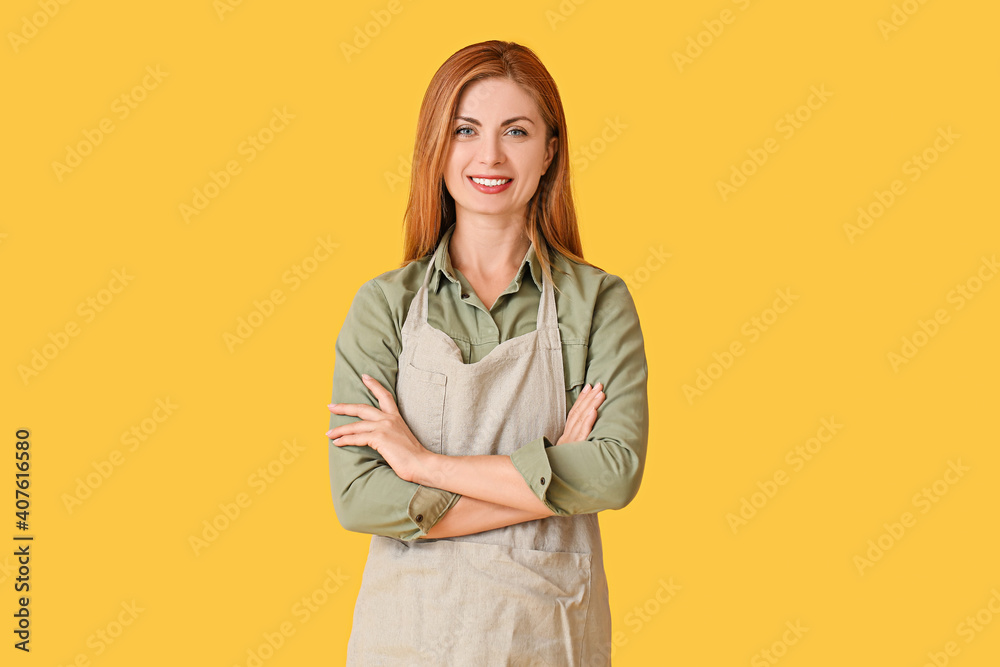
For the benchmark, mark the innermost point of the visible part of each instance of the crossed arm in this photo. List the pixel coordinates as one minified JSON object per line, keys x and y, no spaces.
{"x":593,"y":469}
{"x":471,"y":515}
{"x":493,"y":492}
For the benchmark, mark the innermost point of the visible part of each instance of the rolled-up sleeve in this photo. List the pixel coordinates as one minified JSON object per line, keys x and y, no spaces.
{"x":605,"y":470}
{"x":368,"y":496}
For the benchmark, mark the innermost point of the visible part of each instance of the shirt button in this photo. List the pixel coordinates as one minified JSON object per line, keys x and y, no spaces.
{"x":420,"y":517}
{"x":543,"y":480}
{"x":465,"y":295}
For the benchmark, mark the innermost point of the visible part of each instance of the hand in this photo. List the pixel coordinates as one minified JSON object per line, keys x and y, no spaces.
{"x":583,"y":414}
{"x":382,"y":429}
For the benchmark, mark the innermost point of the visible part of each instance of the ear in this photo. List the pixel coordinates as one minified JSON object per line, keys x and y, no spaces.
{"x":550,"y":152}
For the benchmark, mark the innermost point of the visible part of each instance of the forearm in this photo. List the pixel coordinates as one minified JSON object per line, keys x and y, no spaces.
{"x":471,"y":515}
{"x":492,"y":478}
{"x":371,"y":498}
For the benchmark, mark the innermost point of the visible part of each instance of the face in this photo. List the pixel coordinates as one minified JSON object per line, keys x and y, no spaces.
{"x":498,"y":138}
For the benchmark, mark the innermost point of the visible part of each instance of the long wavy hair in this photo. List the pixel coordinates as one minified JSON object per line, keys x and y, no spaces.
{"x":551,"y":217}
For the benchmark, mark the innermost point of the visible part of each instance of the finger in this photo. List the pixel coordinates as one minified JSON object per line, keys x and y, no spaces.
{"x":574,"y":413}
{"x":586,"y":416}
{"x":585,"y":425}
{"x":360,"y":439}
{"x":591,"y":399}
{"x":595,"y":397}
{"x":575,"y":428}
{"x":581,"y":397}
{"x":582,"y":403}
{"x":590,"y":391}
{"x":349,"y":429}
{"x":357,"y":410}
{"x":590,"y":412}
{"x":385,"y":400}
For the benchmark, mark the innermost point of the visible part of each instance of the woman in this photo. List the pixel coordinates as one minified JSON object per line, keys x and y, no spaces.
{"x":486,"y":548}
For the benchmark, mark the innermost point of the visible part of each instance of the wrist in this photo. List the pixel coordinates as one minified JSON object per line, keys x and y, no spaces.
{"x":428,"y":469}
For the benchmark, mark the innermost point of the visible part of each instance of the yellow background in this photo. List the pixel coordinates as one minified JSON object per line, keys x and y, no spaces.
{"x":332,"y":172}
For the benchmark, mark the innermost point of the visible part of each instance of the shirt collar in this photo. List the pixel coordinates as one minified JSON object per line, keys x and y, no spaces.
{"x":443,"y":267}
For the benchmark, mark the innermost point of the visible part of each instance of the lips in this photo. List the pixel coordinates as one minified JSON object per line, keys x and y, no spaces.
{"x":490,"y":181}
{"x":490,"y":184}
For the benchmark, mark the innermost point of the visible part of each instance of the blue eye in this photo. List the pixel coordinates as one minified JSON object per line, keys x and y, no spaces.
{"x":460,"y":132}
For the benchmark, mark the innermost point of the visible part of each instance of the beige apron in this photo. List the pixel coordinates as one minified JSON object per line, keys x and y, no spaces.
{"x":533,"y":593}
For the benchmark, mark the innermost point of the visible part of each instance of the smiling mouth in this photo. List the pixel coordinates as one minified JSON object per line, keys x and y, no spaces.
{"x":490,"y":182}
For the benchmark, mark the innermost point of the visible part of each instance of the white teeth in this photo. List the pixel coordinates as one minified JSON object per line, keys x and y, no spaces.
{"x":490,"y":182}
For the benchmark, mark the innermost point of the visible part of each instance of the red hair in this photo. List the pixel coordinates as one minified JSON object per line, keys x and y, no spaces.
{"x":551,"y":221}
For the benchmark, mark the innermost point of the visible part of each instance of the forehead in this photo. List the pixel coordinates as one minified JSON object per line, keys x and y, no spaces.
{"x":494,"y":97}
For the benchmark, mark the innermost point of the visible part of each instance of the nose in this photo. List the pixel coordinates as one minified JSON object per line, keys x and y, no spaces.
{"x":490,"y":150}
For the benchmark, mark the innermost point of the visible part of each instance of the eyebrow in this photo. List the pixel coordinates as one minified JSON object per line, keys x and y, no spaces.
{"x":506,"y":122}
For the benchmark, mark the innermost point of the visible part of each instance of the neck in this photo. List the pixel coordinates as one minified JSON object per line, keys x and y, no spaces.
{"x":487,"y":249}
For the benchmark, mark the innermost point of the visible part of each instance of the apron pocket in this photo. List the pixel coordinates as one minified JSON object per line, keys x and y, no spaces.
{"x":459,"y":603}
{"x":507,"y":606}
{"x":420,"y":399}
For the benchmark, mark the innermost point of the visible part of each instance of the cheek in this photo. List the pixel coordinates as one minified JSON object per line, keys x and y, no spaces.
{"x":456,"y":161}
{"x":531,"y":159}
{"x":453,"y":179}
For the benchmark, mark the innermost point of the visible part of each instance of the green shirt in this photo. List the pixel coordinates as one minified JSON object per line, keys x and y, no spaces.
{"x":601,"y":342}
